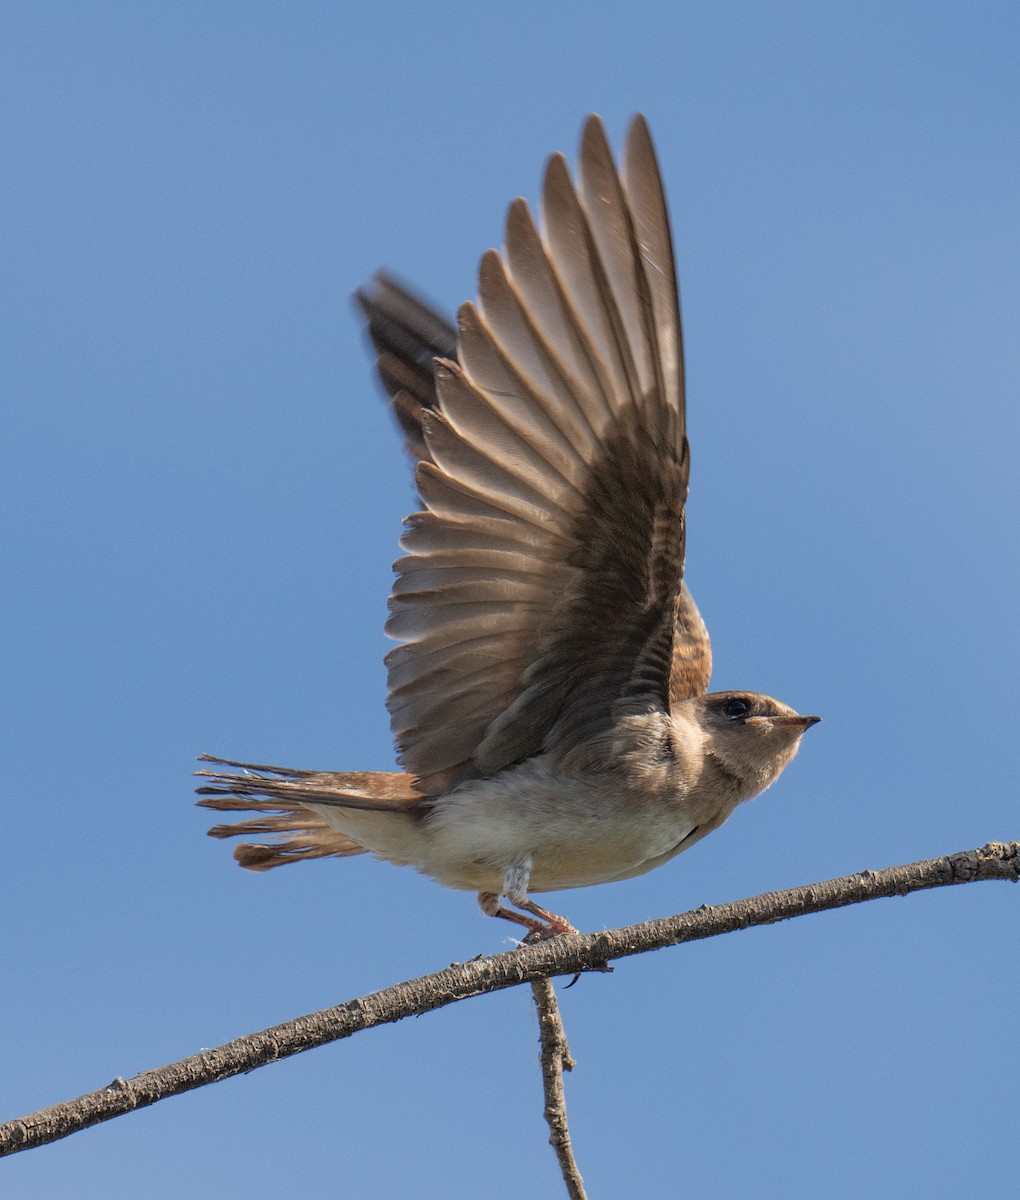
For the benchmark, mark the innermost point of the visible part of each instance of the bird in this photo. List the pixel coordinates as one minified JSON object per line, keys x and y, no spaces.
{"x":548,"y":693}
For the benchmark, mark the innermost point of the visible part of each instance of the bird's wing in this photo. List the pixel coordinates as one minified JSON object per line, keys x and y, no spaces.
{"x":408,"y":336}
{"x":537,"y":599}
{"x":691,"y":668}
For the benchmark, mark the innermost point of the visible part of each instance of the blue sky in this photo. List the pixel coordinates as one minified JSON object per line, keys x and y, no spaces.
{"x":203,"y":494}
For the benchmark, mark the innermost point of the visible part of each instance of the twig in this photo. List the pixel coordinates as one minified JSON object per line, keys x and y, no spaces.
{"x":555,"y":1060}
{"x":558,"y":956}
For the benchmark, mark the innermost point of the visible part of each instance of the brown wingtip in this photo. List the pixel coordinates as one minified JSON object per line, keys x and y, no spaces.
{"x":638,"y":129}
{"x":594,"y":130}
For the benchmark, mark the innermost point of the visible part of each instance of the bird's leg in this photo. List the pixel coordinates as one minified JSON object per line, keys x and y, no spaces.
{"x":515,"y":888}
{"x":490,"y":905}
{"x":555,"y":924}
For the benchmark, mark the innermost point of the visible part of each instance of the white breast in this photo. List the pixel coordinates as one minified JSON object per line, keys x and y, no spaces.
{"x":577,"y":830}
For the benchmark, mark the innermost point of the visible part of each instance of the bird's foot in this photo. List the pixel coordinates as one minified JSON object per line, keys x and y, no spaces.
{"x":539,"y":922}
{"x":551,"y":925}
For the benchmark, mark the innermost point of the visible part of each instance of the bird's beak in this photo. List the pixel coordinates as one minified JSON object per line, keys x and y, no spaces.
{"x":800,"y":723}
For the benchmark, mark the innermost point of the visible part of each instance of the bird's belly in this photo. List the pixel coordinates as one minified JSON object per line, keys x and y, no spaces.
{"x":575,"y":830}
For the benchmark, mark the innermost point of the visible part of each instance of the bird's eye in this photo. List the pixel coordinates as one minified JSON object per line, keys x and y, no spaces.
{"x":736,"y":708}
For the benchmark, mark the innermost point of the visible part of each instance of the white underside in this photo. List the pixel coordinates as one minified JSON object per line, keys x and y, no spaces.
{"x":575,"y":830}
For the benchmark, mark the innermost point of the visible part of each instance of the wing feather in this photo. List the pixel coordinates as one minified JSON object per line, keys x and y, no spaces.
{"x":646,"y":201}
{"x":408,"y":336}
{"x":545,"y":307}
{"x":613,"y":234}
{"x":540,"y":597}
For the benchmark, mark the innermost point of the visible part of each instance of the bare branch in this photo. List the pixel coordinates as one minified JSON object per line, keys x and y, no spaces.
{"x":555,"y":1060}
{"x":559,"y":956}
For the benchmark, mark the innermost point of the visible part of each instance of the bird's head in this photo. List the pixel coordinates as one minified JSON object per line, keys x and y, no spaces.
{"x":751,"y":736}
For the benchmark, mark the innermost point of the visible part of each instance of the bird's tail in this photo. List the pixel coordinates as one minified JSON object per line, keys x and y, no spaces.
{"x":308,"y":813}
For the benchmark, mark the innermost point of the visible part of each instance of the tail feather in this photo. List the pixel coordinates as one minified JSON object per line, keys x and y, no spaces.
{"x":281,"y":795}
{"x":372,"y":791}
{"x":304,"y":849}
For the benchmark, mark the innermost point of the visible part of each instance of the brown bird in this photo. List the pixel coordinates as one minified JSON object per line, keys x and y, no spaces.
{"x":548,"y":693}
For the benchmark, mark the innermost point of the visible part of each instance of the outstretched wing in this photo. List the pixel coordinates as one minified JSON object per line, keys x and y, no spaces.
{"x":409,"y":336}
{"x":537,"y":599}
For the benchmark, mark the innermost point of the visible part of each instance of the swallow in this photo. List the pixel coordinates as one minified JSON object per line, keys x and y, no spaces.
{"x":548,"y":693}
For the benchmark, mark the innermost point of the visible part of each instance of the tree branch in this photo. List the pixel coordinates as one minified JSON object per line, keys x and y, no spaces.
{"x":555,"y":1060}
{"x":558,"y":956}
